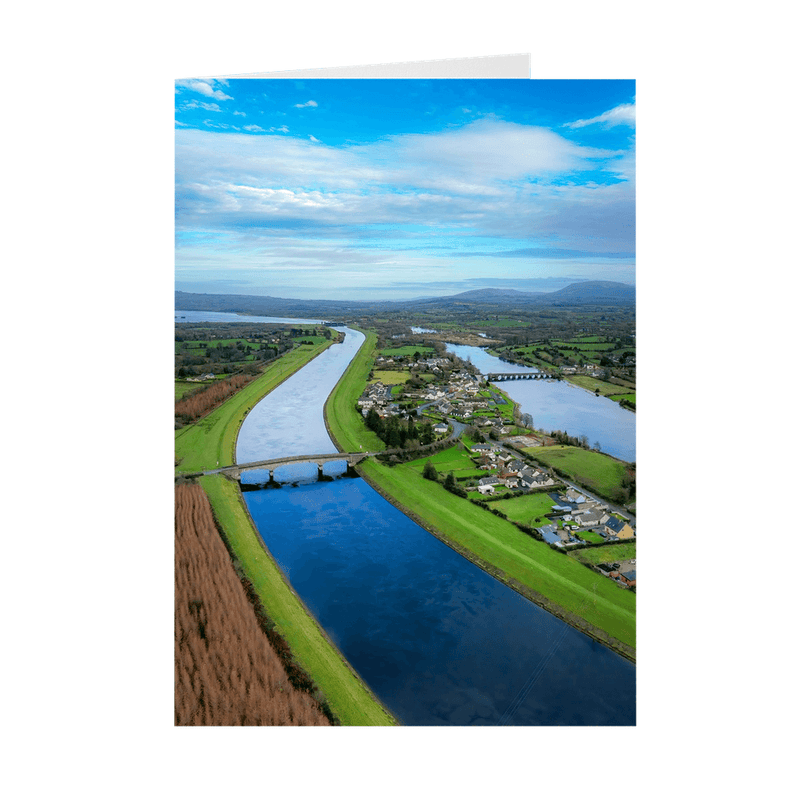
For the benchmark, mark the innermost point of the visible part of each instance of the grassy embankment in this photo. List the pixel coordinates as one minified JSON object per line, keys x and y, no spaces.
{"x":550,"y":578}
{"x":345,"y":693}
{"x":209,"y":442}
{"x":595,"y":471}
{"x":199,"y":446}
{"x":344,"y":422}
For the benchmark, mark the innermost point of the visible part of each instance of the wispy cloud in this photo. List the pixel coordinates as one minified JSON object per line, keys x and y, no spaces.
{"x":205,"y":87}
{"x":199,"y":104}
{"x":624,"y":114}
{"x":309,"y":104}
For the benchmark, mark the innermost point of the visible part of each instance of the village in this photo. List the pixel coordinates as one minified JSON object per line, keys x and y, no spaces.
{"x":457,"y":401}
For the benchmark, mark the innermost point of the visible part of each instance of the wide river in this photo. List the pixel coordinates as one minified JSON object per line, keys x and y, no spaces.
{"x":436,"y":639}
{"x":560,"y":405}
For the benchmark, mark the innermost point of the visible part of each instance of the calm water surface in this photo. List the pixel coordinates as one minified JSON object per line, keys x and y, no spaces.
{"x":438,"y":640}
{"x":560,"y":405}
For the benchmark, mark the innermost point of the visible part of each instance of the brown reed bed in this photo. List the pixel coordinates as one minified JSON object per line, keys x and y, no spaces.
{"x":226,"y":670}
{"x":200,"y":402}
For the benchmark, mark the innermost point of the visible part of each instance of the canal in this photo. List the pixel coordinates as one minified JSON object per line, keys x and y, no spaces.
{"x":437,"y":640}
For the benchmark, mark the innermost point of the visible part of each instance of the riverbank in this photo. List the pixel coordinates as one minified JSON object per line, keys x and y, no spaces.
{"x":548,"y":578}
{"x":210,"y":442}
{"x":345,"y":693}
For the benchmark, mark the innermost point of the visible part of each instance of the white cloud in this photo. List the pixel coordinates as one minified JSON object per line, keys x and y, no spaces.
{"x":199,"y":104}
{"x":205,"y":88}
{"x":624,"y":114}
{"x":239,"y":114}
{"x":309,"y":104}
{"x":488,"y":178}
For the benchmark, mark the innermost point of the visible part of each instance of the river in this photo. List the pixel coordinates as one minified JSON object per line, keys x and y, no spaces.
{"x":437,"y":640}
{"x":560,"y":405}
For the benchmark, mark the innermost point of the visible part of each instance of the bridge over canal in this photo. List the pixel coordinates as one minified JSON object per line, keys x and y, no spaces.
{"x":494,"y":377}
{"x":272,"y":464}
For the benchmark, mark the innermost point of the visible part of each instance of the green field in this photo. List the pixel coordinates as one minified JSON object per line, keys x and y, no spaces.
{"x":184,"y":387}
{"x":608,"y":554}
{"x":347,"y":696}
{"x":454,"y":459}
{"x":346,"y":424}
{"x":595,"y":471}
{"x":527,"y":508}
{"x":509,"y":553}
{"x":631,"y":398}
{"x":388,"y":377}
{"x":209,"y":442}
{"x":408,"y":350}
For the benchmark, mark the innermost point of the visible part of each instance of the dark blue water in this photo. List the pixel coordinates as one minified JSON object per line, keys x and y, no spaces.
{"x":439,"y":641}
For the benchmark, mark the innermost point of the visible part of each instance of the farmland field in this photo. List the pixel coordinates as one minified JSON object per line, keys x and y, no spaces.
{"x":409,"y":350}
{"x":527,"y":508}
{"x":593,"y":470}
{"x":387,"y":377}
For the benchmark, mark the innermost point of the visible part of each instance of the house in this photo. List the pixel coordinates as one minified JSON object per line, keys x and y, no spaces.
{"x":486,"y":489}
{"x":619,"y":528}
{"x":627,"y":578}
{"x":481,"y":448}
{"x":590,"y":518}
{"x":550,"y":534}
{"x":440,"y":427}
{"x":489,"y":480}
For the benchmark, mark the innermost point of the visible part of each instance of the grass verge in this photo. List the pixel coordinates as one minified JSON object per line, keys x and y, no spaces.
{"x":345,"y":424}
{"x":595,"y":471}
{"x":345,"y":693}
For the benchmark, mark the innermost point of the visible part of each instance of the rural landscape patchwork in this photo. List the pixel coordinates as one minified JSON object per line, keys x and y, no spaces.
{"x":405,"y":403}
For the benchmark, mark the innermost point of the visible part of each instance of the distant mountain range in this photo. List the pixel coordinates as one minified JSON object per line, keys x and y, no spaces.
{"x":583,"y":293}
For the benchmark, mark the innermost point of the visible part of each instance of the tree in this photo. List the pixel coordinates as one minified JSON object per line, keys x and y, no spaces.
{"x":429,"y":472}
{"x":449,"y":482}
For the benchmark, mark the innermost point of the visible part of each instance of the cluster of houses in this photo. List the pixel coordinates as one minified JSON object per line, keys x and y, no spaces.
{"x":509,"y":472}
{"x":579,"y":514}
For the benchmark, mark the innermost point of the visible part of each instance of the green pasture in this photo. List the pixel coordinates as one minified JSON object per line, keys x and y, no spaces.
{"x":609,"y":554}
{"x":184,"y":387}
{"x":387,"y":376}
{"x":501,"y":544}
{"x":586,"y":467}
{"x":345,"y":422}
{"x":348,"y":697}
{"x":209,"y":442}
{"x":631,"y":398}
{"x":454,"y":460}
{"x":408,"y":350}
{"x":527,"y":508}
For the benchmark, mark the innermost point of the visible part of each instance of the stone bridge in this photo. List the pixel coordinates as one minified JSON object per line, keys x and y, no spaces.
{"x":493,"y":377}
{"x":272,"y":464}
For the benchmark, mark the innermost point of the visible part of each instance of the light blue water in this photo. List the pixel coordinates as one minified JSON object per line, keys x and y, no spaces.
{"x":559,"y":405}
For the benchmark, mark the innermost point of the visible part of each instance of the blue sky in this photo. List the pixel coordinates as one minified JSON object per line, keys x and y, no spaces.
{"x":394,"y":189}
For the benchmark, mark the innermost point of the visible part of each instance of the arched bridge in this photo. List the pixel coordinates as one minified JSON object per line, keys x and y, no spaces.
{"x":521,"y":376}
{"x":272,"y":464}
